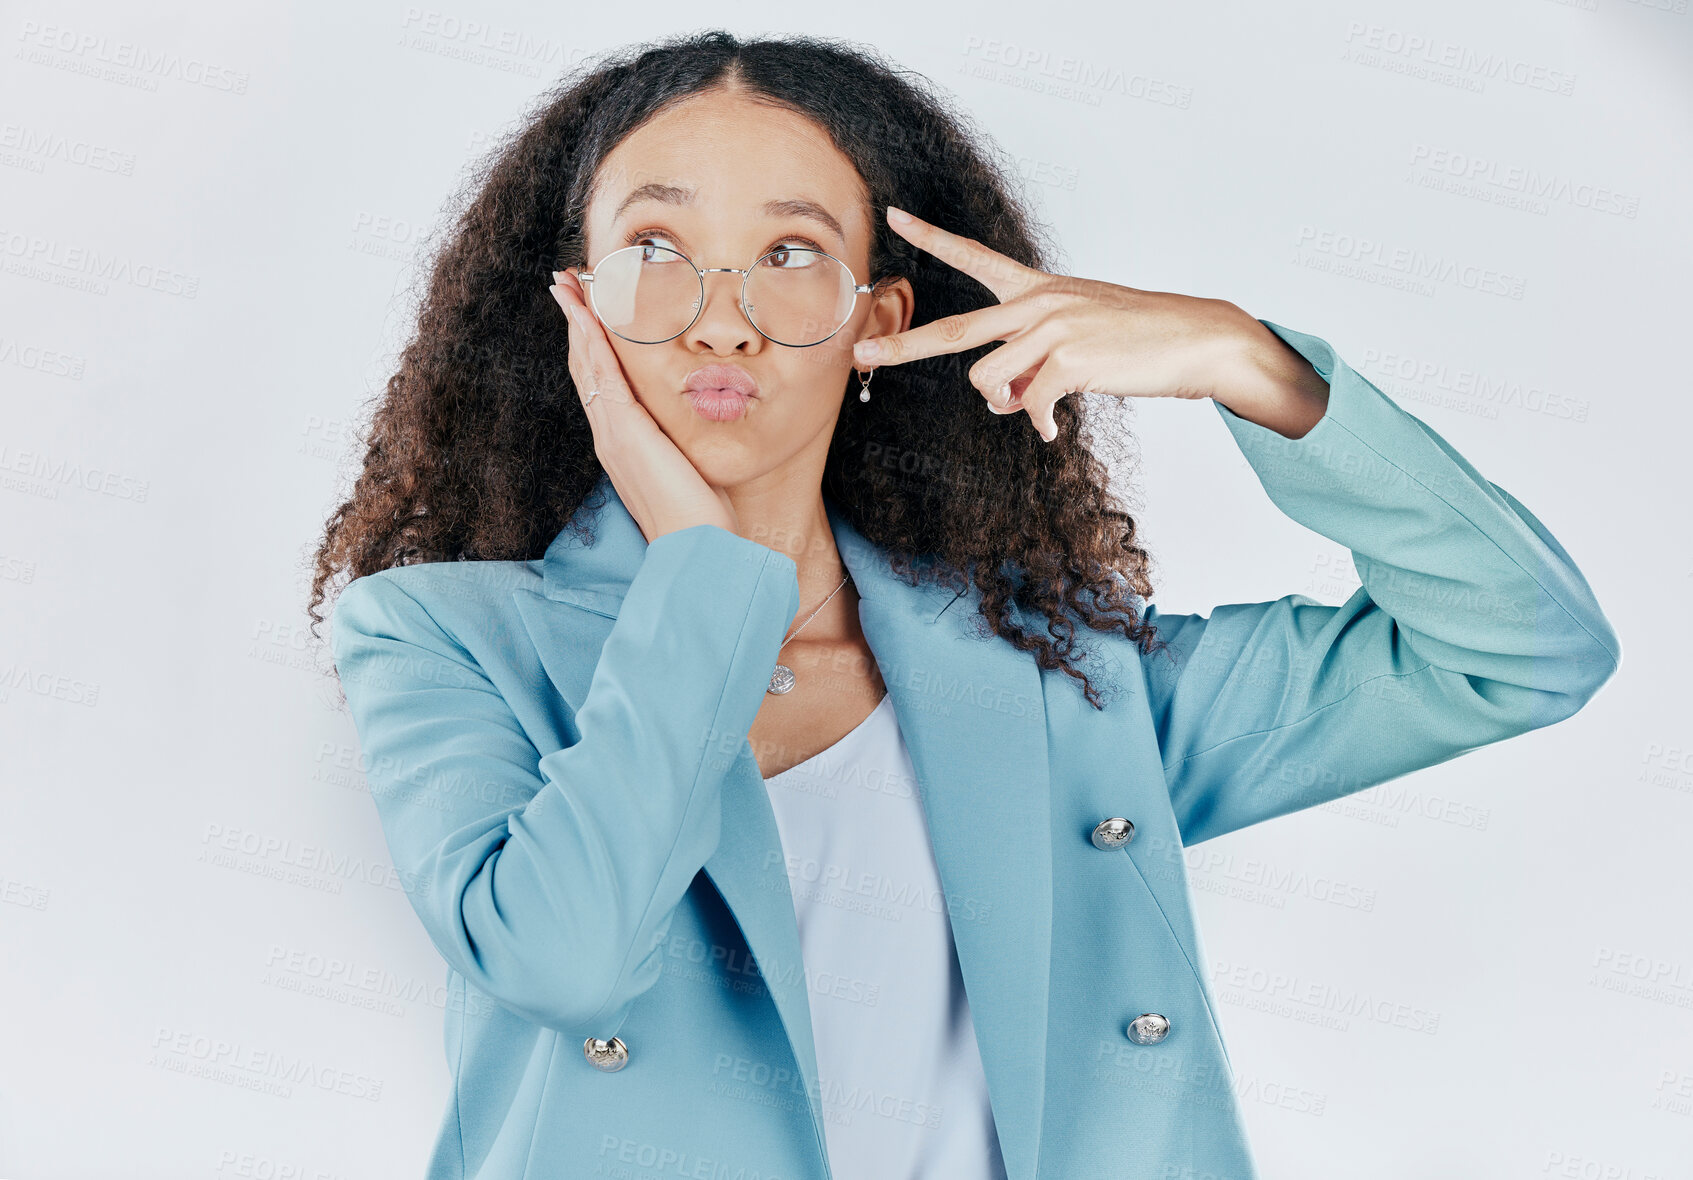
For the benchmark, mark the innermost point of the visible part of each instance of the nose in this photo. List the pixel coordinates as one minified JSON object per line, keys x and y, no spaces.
{"x":722,"y":326}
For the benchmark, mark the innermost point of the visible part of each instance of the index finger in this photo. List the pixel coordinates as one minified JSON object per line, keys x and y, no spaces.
{"x":953,"y":333}
{"x":1005,"y":277}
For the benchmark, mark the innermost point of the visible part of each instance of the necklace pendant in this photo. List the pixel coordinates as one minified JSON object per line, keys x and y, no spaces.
{"x":781,"y":680}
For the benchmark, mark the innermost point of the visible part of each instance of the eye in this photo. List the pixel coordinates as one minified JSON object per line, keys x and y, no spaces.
{"x":798,"y":258}
{"x":639,"y":237}
{"x":791,"y":259}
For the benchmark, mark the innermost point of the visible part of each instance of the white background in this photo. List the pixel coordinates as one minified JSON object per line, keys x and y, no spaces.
{"x":202,"y":281}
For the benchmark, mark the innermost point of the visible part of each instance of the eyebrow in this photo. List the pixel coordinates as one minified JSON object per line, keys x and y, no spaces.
{"x":672,"y":194}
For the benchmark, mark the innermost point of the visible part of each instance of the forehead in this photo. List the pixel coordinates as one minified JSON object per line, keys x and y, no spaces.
{"x":730,"y":157}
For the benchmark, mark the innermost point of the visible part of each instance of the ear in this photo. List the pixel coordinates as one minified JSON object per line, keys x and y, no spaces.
{"x":893,"y":303}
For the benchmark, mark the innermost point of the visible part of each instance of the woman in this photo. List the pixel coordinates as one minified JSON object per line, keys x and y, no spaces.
{"x":719,"y":678}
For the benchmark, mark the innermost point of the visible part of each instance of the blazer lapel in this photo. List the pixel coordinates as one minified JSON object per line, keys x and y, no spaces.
{"x":971,"y":712}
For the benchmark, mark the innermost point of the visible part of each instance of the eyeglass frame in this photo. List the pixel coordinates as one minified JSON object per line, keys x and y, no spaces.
{"x":858,"y":289}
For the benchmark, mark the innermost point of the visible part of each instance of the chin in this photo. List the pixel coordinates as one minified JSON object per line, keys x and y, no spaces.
{"x":723,"y":462}
{"x":726,"y":454}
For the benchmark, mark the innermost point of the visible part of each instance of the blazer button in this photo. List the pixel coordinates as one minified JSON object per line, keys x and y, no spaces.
{"x":1113,"y":833}
{"x":1148,"y":1028}
{"x":610,"y":1056}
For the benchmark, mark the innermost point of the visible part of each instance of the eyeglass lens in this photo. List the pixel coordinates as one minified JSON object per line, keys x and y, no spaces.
{"x":650,"y":294}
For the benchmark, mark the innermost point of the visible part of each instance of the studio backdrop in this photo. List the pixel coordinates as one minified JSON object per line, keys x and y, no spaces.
{"x":213,"y":224}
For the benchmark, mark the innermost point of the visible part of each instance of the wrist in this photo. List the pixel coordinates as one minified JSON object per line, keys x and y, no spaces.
{"x":1268,"y":382}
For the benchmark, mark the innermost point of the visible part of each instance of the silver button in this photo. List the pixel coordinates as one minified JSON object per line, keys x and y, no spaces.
{"x":610,"y":1056}
{"x":1113,"y":833}
{"x":1148,"y":1028}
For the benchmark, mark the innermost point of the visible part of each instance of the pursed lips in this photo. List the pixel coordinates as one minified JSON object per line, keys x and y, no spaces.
{"x":722,"y":377}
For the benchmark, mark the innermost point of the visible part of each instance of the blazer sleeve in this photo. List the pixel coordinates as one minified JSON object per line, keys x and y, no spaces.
{"x":1472,"y":624}
{"x":549,"y":882}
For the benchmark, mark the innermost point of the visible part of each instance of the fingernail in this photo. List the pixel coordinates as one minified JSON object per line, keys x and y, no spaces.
{"x":1005,"y":394}
{"x":866,"y":350}
{"x":898,"y":216}
{"x":558,"y":276}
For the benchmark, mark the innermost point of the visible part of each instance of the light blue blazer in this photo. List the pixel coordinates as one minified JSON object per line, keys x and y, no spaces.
{"x":557,"y":749}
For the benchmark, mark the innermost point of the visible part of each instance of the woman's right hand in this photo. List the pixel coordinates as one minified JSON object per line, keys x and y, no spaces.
{"x":657,"y":483}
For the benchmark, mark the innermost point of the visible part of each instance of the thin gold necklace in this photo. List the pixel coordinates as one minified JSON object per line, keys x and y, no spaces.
{"x":782,"y":679}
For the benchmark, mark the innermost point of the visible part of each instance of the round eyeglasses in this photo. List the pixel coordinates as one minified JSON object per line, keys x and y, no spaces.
{"x":793,"y":296}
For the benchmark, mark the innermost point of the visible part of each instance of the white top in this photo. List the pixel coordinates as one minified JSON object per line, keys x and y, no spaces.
{"x":902,"y":1088}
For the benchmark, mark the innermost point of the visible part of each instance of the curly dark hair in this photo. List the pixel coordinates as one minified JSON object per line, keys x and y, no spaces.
{"x":480,"y":449}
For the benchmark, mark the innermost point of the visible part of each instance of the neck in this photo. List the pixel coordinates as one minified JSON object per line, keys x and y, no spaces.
{"x":791,"y":519}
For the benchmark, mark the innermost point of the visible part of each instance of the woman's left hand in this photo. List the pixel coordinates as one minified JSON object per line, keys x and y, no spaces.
{"x":1071,"y":335}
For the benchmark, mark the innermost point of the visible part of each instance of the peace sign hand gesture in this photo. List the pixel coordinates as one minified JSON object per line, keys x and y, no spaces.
{"x":1067,"y":335}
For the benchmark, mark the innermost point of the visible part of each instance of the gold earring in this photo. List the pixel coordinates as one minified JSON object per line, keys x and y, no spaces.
{"x":864,"y":385}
